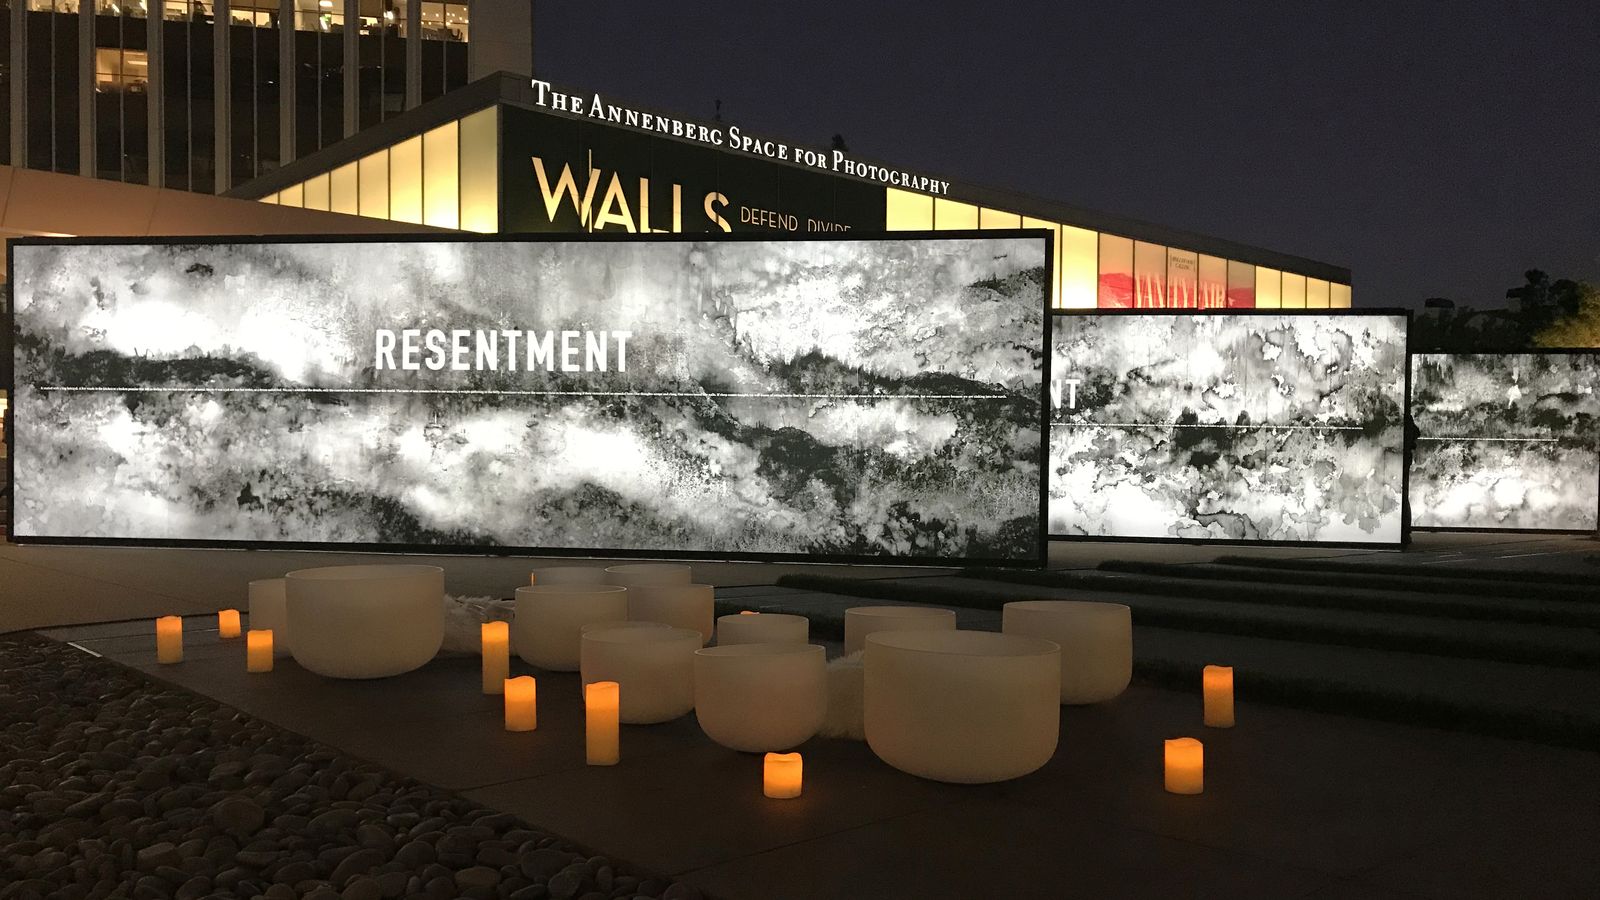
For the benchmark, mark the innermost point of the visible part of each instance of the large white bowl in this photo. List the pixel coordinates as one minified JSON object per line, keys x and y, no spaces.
{"x":763,"y":628}
{"x":962,"y":706}
{"x":653,"y":668}
{"x":550,"y":617}
{"x":1096,"y":643}
{"x":269,"y":609}
{"x":365,"y":621}
{"x":860,"y":621}
{"x":640,"y":574}
{"x":761,"y":697}
{"x":679,"y":605}
{"x":568,"y":575}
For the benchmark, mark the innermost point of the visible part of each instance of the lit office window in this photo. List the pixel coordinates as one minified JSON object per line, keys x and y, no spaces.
{"x":373,"y":178}
{"x":1241,"y":285}
{"x":994,"y":218}
{"x":906,"y":211}
{"x":480,"y":171}
{"x":953,"y":215}
{"x":1183,"y":279}
{"x":1055,"y":255}
{"x":342,"y":196}
{"x":1339,"y":296}
{"x":1149,"y":275}
{"x":1294,"y":291}
{"x":405,"y":181}
{"x":445,"y":22}
{"x":1213,"y":282}
{"x":121,"y":70}
{"x":317,"y":192}
{"x":255,"y":13}
{"x":441,"y":188}
{"x":1080,"y":250}
{"x":326,"y":16}
{"x":293,"y":195}
{"x":1269,"y":288}
{"x":1116,"y":271}
{"x":1316,"y":293}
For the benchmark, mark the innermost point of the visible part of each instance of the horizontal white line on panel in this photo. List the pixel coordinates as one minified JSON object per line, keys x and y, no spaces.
{"x":1513,"y":440}
{"x":1188,"y":425}
{"x":781,"y":396}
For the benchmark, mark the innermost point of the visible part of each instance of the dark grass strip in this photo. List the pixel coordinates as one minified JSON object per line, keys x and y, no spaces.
{"x":1350,"y":590}
{"x":1407,"y":569}
{"x":1327,"y":695}
{"x":1490,"y":591}
{"x":1443,"y":637}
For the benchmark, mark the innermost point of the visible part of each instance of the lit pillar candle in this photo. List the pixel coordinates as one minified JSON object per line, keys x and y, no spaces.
{"x":748,"y":612}
{"x":1217,"y":682}
{"x":496,"y":656}
{"x":601,"y":706}
{"x":258,"y":650}
{"x":228,"y":623}
{"x":522,"y":703}
{"x":780,"y":776}
{"x":1186,"y":766}
{"x":169,"y":639}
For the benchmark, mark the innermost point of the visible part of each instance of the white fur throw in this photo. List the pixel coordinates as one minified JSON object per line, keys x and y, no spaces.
{"x":845,"y":719}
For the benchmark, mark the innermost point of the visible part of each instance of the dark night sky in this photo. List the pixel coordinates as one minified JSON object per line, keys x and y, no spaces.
{"x":1437,"y":149}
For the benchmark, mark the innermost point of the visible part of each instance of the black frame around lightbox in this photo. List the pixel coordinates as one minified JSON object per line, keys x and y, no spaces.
{"x":1045,"y":236}
{"x":1405,"y":444}
{"x":1535,"y":351}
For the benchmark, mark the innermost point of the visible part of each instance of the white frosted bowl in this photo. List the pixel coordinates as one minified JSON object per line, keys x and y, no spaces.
{"x":603,"y":626}
{"x":653,"y":669}
{"x":679,"y":605}
{"x":761,"y":697}
{"x":365,"y":621}
{"x":269,"y":609}
{"x":568,"y":575}
{"x":640,"y":574}
{"x":763,"y":628}
{"x":860,"y":621}
{"x":969,"y":707}
{"x":1096,"y":643}
{"x":550,"y":617}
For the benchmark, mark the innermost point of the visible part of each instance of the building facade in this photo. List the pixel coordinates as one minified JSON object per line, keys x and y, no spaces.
{"x":206,"y":96}
{"x":508,"y":154}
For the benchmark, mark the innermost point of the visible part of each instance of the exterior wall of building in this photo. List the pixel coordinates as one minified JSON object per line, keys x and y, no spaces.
{"x":568,"y":174}
{"x":160,"y":93}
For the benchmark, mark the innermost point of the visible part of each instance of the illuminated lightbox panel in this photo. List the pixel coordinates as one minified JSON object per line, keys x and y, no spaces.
{"x":1506,"y":441}
{"x":1231,"y":426}
{"x":827,"y":398}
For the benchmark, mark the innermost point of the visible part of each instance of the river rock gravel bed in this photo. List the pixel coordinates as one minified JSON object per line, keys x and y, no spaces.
{"x":114,"y":785}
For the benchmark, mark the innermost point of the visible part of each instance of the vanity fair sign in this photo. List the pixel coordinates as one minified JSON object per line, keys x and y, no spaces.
{"x":827,"y":398}
{"x":1278,"y":427}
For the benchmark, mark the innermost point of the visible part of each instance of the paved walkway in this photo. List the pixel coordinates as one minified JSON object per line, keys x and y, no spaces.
{"x":1296,"y":805}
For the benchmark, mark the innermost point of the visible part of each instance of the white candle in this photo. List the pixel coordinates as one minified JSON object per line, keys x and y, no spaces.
{"x":258,"y":650}
{"x":1217,"y":684}
{"x":228,"y":623}
{"x":522,"y":703}
{"x":780,"y":776}
{"x":602,"y":706}
{"x":169,"y":639}
{"x":496,"y":642}
{"x":1185,"y":766}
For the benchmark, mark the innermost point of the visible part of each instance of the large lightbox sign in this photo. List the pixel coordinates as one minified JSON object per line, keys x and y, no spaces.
{"x":827,"y":398}
{"x":1506,"y":441}
{"x":1232,"y":426}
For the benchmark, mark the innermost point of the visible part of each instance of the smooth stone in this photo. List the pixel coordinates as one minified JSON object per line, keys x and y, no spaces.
{"x":238,"y":815}
{"x":362,"y":888}
{"x":477,"y":877}
{"x":357,"y":863}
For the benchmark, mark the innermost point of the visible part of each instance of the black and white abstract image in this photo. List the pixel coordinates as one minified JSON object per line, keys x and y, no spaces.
{"x":860,"y":398}
{"x":1506,"y":441}
{"x":1218,"y":426}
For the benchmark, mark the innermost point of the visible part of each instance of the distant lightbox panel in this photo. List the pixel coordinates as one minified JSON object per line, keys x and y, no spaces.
{"x":1236,"y":426}
{"x":843,"y":399}
{"x":1506,"y":441}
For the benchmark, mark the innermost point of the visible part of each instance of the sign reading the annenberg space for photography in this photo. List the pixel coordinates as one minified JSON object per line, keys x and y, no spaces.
{"x":839,"y":398}
{"x":1226,"y":426}
{"x":1506,"y":441}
